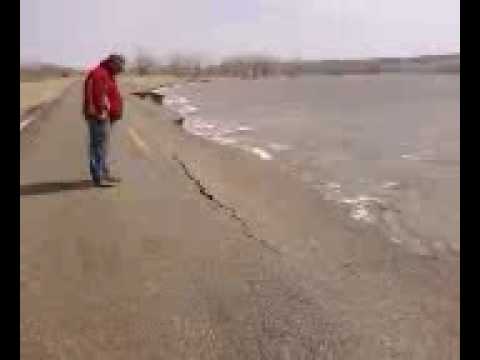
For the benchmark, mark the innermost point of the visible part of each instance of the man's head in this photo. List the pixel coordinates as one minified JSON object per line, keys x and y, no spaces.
{"x":117,"y":63}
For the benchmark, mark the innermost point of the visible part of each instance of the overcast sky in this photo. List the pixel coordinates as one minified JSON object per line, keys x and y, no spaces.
{"x":79,"y":32}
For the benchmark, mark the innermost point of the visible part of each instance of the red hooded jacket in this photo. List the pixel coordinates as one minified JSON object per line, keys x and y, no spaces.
{"x":101,"y":93}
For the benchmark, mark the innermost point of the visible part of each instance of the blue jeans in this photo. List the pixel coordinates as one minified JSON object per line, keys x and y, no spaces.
{"x":99,"y":131}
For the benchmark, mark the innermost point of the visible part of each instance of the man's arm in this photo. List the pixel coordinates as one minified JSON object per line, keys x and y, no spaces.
{"x":89,"y":108}
{"x":99,"y":95}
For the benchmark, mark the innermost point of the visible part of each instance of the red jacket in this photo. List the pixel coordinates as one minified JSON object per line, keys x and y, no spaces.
{"x":101,"y":93}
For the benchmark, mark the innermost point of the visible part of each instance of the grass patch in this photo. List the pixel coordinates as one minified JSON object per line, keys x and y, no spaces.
{"x":34,"y":93}
{"x":138,"y":83}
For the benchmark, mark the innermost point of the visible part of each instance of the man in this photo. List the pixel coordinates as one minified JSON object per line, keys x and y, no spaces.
{"x":102,"y":107}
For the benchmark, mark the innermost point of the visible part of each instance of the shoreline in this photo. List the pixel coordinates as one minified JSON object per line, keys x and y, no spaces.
{"x":224,"y":160}
{"x":362,"y":207}
{"x":312,"y":237}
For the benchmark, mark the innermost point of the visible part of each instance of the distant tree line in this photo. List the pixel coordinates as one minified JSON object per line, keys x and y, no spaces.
{"x":261,"y":66}
{"x":193,"y":66}
{"x":40,"y":71}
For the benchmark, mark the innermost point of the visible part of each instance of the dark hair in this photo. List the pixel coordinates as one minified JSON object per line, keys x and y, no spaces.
{"x":117,"y":59}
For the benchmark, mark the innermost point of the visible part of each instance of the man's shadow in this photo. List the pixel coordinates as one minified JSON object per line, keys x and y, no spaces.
{"x":45,"y":188}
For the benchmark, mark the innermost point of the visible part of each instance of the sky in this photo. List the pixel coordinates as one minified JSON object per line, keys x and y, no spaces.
{"x":78,"y":33}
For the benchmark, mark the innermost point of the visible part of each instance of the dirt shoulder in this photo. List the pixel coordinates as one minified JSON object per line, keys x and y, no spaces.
{"x":36,"y":93}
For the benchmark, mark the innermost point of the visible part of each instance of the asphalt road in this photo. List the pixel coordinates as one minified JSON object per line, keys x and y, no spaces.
{"x":204,"y":253}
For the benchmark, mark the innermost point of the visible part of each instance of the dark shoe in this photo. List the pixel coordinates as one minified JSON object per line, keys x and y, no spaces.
{"x":102,"y":183}
{"x":112,"y":179}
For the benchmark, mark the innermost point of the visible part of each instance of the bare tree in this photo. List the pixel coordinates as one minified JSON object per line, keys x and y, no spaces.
{"x":185,"y":65}
{"x":144,"y":63}
{"x":250,"y":66}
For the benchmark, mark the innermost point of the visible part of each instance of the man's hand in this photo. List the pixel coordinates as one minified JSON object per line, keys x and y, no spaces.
{"x":104,"y":115}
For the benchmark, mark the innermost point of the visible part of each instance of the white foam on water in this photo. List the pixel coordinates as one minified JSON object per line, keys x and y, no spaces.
{"x":361,"y":213}
{"x":26,"y":122}
{"x":224,"y":140}
{"x":204,"y":126}
{"x":198,"y":132}
{"x":391,"y":185}
{"x":427,"y":154}
{"x":364,"y":198}
{"x":278,"y":147}
{"x":175,"y":99}
{"x":244,"y":128}
{"x":333,"y":186}
{"x":330,"y":191}
{"x":188,"y":109}
{"x":199,"y":127}
{"x":359,"y":207}
{"x":410,"y":157}
{"x":395,"y":240}
{"x":227,"y":132}
{"x":263,"y":154}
